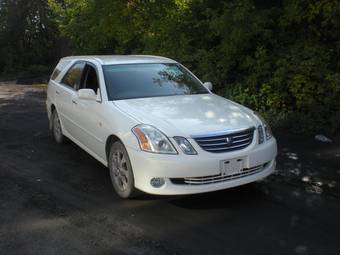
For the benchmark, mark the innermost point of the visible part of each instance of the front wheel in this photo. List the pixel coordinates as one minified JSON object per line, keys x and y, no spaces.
{"x":121,"y":171}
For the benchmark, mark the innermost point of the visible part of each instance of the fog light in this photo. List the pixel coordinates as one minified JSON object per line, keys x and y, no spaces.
{"x":157,"y":182}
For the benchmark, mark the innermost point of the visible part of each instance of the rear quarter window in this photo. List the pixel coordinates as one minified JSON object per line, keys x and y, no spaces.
{"x":60,"y":67}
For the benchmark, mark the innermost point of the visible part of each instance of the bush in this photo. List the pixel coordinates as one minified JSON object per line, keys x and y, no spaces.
{"x":278,"y":57}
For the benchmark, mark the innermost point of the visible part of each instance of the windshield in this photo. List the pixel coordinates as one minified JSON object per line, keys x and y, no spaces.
{"x":149,"y":80}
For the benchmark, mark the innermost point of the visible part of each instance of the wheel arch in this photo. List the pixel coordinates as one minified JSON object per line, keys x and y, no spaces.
{"x":52,"y":109}
{"x":109,"y":141}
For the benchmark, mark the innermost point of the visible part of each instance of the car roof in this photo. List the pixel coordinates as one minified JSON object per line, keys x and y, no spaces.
{"x":122,"y":59}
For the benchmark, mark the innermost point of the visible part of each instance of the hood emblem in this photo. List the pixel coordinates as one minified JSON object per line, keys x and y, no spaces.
{"x":229,"y":140}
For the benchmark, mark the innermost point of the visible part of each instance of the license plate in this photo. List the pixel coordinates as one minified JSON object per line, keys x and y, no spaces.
{"x":232,"y":166}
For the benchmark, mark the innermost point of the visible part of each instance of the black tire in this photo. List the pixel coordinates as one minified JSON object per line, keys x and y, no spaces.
{"x":56,"y":129}
{"x":121,"y":171}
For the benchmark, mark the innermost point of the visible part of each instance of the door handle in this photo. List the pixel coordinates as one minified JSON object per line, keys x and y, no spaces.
{"x":57,"y":92}
{"x":74,"y":102}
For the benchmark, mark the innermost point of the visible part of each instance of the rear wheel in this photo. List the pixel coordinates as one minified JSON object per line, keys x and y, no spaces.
{"x":121,"y":171}
{"x":56,"y":128}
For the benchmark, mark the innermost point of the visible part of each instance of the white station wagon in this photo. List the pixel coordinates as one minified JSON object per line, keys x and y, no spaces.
{"x":156,"y":126}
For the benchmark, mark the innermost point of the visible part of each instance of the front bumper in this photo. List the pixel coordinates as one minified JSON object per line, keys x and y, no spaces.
{"x":148,"y":165}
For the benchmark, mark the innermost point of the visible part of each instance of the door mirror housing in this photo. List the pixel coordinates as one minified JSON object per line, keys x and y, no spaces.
{"x":87,"y":94}
{"x":208,"y":85}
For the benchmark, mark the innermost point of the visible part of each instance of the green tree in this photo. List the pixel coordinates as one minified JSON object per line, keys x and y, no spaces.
{"x":28,"y":35}
{"x":278,"y":57}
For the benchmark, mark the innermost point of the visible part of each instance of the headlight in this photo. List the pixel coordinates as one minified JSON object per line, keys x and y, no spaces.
{"x":185,"y":145}
{"x":261,"y":134}
{"x":152,"y":140}
{"x":267,"y":130}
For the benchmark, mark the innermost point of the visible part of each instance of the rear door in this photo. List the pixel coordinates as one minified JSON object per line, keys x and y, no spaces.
{"x":53,"y":85}
{"x":65,"y":94}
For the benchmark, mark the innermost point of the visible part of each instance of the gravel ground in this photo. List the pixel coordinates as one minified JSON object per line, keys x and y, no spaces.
{"x":56,"y":199}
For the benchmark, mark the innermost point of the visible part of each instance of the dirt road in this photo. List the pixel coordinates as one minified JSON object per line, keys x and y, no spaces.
{"x":59,"y":200}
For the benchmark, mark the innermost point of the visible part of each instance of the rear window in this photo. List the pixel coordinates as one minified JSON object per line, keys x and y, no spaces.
{"x":61,"y":65}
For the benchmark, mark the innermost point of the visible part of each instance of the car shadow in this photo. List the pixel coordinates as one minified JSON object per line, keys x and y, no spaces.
{"x":233,"y":197}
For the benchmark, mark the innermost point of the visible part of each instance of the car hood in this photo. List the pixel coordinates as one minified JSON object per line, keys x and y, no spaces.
{"x":188,"y":115}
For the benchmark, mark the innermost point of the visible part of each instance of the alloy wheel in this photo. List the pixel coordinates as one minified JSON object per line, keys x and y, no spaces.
{"x":120,"y":170}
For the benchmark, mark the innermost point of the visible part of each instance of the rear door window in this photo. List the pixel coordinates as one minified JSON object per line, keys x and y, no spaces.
{"x":61,"y":65}
{"x":73,"y":76}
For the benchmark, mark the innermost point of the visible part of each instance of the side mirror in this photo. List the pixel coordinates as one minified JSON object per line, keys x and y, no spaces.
{"x":208,"y":85}
{"x":87,"y":94}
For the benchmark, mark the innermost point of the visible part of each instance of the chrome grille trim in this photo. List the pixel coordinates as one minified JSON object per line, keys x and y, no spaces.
{"x":219,"y":177}
{"x":229,"y":148}
{"x":217,"y":143}
{"x":212,"y":144}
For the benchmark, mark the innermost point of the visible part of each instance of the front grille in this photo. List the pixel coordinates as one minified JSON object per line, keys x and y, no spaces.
{"x":226,"y":142}
{"x":218,"y":177}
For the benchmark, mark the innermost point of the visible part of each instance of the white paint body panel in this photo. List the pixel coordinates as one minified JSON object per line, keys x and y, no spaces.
{"x":90,"y":123}
{"x":188,"y":115}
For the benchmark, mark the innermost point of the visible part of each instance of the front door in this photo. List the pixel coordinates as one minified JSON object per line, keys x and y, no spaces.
{"x":88,"y":115}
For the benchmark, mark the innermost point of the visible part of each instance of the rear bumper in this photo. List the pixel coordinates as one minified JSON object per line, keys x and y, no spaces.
{"x":147,"y":166}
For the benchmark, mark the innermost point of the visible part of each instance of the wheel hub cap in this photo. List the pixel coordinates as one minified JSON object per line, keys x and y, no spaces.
{"x":120,"y":170}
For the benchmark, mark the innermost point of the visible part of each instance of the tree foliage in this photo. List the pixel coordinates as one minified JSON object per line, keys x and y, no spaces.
{"x":280,"y":57}
{"x":28,"y":35}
